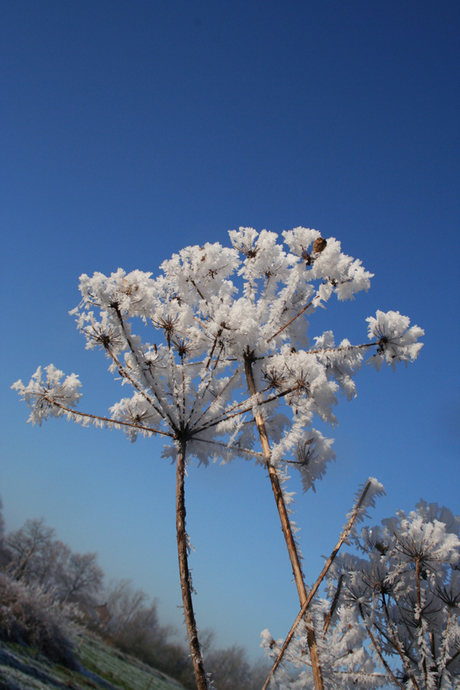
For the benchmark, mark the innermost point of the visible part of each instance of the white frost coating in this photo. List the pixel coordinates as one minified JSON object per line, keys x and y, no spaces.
{"x":370,"y":490}
{"x":48,"y":398}
{"x":210,"y":311}
{"x":392,"y":614}
{"x":396,"y":341}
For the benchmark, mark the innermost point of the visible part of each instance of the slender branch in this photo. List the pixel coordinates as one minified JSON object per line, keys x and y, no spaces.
{"x":183,"y":389}
{"x":285,"y":523}
{"x":216,"y":399}
{"x":345,"y":348}
{"x":383,"y":660}
{"x":139,"y":364}
{"x":443,"y":648}
{"x":315,"y":587}
{"x":339,"y":672}
{"x":224,"y":418}
{"x":197,"y":289}
{"x":304,"y":660}
{"x":216,"y":338}
{"x":418,"y":616}
{"x":122,"y":371}
{"x":453,"y":657}
{"x":209,"y":374}
{"x":185,"y":577}
{"x":335,"y":601}
{"x":404,"y":657}
{"x":106,"y":420}
{"x":245,"y":451}
{"x":304,"y":309}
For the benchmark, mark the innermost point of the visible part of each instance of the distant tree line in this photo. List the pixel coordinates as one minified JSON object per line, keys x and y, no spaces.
{"x":45,"y":587}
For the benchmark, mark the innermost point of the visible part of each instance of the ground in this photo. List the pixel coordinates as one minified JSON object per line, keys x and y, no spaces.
{"x":101,"y":667}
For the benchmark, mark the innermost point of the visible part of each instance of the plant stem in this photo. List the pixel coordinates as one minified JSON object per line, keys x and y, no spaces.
{"x":287,"y":531}
{"x":185,"y":579}
{"x":314,"y":589}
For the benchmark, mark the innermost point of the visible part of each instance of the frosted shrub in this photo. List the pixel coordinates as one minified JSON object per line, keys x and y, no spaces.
{"x":228,"y":369}
{"x":31,"y":616}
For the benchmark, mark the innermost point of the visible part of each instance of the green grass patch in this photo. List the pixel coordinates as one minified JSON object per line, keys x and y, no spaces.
{"x":24,"y":668}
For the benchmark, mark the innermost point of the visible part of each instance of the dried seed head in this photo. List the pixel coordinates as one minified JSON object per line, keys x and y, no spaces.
{"x":167,"y":323}
{"x":319,"y":245}
{"x":184,"y":346}
{"x":275,"y":379}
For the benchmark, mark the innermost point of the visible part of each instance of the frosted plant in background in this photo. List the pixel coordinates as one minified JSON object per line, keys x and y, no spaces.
{"x":30,"y":615}
{"x":393,"y":615}
{"x":228,"y":369}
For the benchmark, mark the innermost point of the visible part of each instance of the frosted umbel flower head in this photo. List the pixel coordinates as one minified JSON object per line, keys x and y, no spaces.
{"x":227,"y":368}
{"x":217,"y":314}
{"x":396,"y":341}
{"x":49,"y":397}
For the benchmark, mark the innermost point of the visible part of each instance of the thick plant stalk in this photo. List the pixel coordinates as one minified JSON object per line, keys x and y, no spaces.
{"x":185,"y":579}
{"x":322,"y":575}
{"x":287,"y":532}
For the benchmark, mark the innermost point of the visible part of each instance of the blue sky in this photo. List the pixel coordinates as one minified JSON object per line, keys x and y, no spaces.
{"x":131,"y":129}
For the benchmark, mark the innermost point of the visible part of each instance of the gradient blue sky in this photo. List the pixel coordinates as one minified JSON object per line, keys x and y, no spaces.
{"x":130,"y":129}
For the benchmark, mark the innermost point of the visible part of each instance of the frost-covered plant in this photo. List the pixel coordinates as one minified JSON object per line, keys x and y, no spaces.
{"x":30,"y":615}
{"x":393,"y":615}
{"x":230,"y":369}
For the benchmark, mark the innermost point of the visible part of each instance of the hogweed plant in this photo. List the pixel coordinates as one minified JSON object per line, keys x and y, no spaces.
{"x":229,"y":369}
{"x":392,"y":616}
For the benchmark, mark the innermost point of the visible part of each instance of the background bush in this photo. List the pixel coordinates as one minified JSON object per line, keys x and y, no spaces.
{"x":31,"y":616}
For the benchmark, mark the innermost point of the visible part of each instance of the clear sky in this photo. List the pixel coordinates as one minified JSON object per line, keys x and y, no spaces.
{"x":130,"y":129}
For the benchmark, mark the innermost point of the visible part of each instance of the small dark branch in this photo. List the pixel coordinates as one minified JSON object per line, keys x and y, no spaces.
{"x":453,"y":657}
{"x":211,"y":354}
{"x":203,"y":414}
{"x":341,"y":349}
{"x":304,"y":453}
{"x":135,"y":354}
{"x":245,"y":451}
{"x":183,"y":347}
{"x":335,"y":601}
{"x":109,"y":422}
{"x":224,"y":418}
{"x":417,"y":577}
{"x":405,"y":658}
{"x":275,"y":379}
{"x":383,"y":660}
{"x":197,"y":289}
{"x":209,"y":374}
{"x":122,"y":371}
{"x":247,"y":249}
{"x":183,"y":392}
{"x":293,"y":319}
{"x":305,"y":660}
